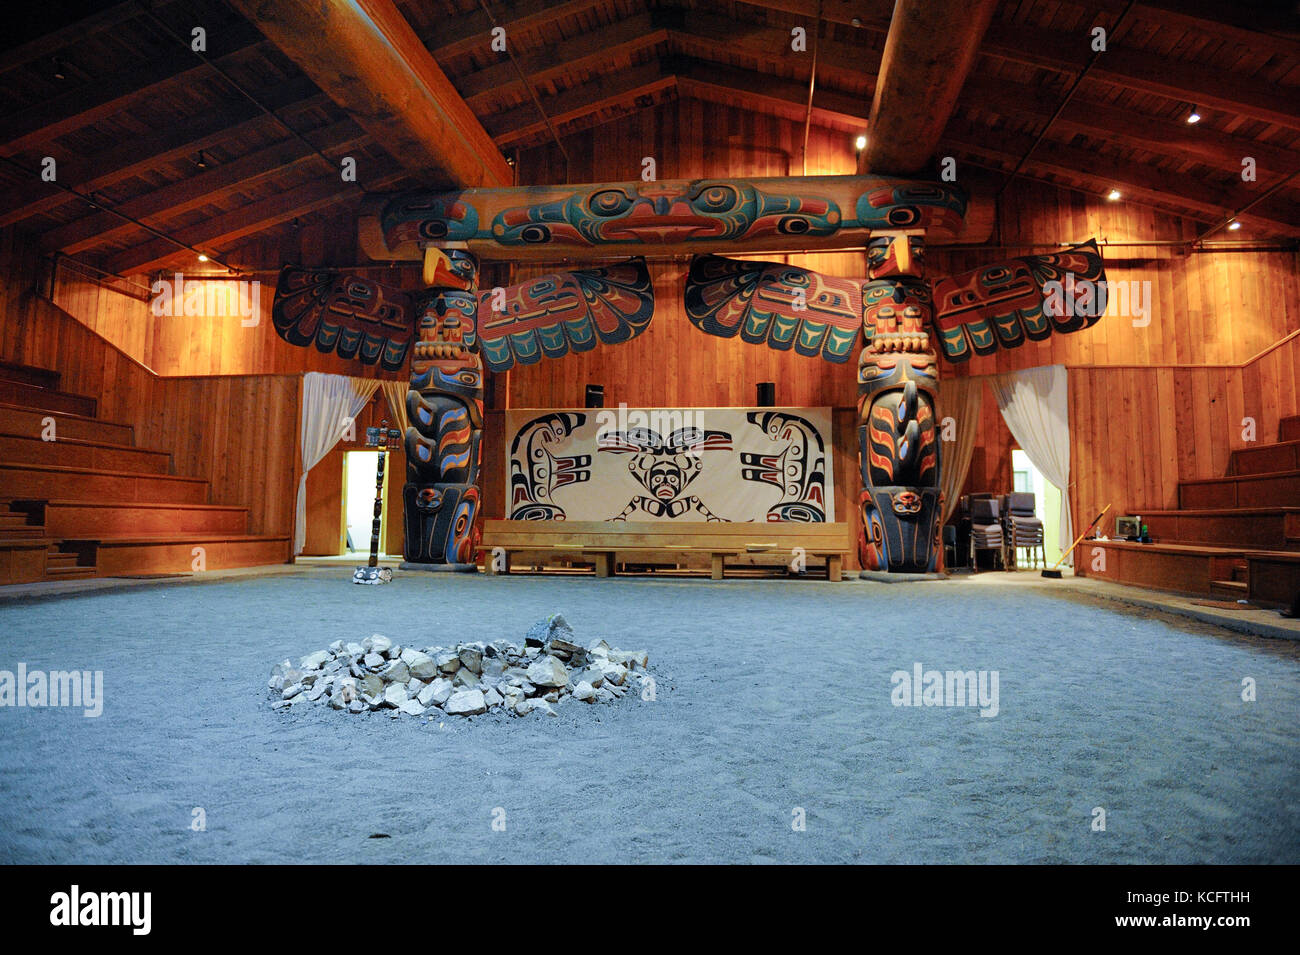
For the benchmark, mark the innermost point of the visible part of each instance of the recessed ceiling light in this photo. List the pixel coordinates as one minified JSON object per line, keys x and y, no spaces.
{"x":1113,"y":195}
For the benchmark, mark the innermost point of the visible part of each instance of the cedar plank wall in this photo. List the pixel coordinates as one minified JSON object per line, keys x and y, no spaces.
{"x":230,"y":431}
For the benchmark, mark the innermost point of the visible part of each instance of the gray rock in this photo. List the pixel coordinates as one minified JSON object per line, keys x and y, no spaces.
{"x":466,"y":703}
{"x":356,"y":706}
{"x":377,"y":643}
{"x":603,"y":695}
{"x":314,"y":661}
{"x":373,"y":660}
{"x":411,"y":708}
{"x":584,"y":691}
{"x":535,"y":706}
{"x":465,"y":678}
{"x":471,"y":658}
{"x":337,"y":647}
{"x":396,"y":672}
{"x":492,"y":698}
{"x":422,"y":666}
{"x":448,"y":661}
{"x":548,"y":671}
{"x":395,"y":694}
{"x":371,"y":685}
{"x":354,"y":650}
{"x":289,"y":692}
{"x":442,"y":691}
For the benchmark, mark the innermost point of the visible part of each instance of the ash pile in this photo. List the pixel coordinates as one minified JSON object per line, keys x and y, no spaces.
{"x":467,"y":679}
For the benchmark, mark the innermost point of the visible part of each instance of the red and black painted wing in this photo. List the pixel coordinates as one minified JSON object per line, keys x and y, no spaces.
{"x":338,"y":312}
{"x":1024,"y":299}
{"x":551,"y":316}
{"x":780,"y":306}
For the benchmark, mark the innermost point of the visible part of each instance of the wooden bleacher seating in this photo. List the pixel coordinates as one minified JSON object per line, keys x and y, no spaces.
{"x":607,"y":543}
{"x":1234,"y":537}
{"x":93,"y":503}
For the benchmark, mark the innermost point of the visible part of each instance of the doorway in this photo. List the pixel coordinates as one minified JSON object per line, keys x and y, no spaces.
{"x":359,"y":501}
{"x":1047,"y":501}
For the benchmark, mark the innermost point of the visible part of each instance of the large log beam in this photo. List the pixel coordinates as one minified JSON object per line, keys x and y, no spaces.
{"x":368,"y":59}
{"x":929,"y":51}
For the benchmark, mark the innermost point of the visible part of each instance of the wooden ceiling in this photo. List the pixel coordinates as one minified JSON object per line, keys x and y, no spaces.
{"x":156,"y":144}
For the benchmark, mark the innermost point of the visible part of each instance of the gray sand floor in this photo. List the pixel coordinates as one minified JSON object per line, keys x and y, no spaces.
{"x":771,"y":695}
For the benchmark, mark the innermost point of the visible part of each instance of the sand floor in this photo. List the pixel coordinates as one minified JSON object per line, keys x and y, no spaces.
{"x":771,"y":697}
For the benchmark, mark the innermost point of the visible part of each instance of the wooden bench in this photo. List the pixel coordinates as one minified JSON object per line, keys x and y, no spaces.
{"x":603,"y":541}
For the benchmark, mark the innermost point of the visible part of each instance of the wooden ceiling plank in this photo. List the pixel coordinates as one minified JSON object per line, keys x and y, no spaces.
{"x":585,"y":51}
{"x":515,"y":125}
{"x":1156,"y":134}
{"x":245,"y":220}
{"x":365,"y":55}
{"x":473,"y":30}
{"x":210,"y":186}
{"x":46,"y":121}
{"x":129,"y":157}
{"x":1177,"y":80}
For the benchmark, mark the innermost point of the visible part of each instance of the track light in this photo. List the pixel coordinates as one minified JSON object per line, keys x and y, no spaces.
{"x":1194,"y":116}
{"x":1234,"y":225}
{"x":202,"y":161}
{"x":202,"y":257}
{"x":861,"y":143}
{"x":1113,"y":195}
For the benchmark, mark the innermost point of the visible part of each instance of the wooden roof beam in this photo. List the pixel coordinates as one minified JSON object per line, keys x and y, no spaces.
{"x":473,"y":30}
{"x":368,"y":59}
{"x":929,"y":51}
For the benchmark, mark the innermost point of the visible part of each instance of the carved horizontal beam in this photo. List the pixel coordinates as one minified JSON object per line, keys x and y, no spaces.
{"x":661,"y":219}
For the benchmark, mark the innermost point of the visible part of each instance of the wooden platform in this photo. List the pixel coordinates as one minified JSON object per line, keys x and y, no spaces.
{"x":1271,"y":577}
{"x":605,"y":543}
{"x":1275,"y":489}
{"x":1276,"y":528}
{"x":19,"y":419}
{"x":175,"y":553}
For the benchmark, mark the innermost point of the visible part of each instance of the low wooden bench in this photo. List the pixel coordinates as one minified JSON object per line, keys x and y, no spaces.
{"x":603,"y":541}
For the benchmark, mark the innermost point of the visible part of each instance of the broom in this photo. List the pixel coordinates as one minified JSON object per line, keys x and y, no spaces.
{"x":1054,"y":572}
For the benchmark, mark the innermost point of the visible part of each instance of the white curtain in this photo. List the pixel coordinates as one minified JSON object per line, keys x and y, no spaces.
{"x":1035,"y":404}
{"x":330,"y":403}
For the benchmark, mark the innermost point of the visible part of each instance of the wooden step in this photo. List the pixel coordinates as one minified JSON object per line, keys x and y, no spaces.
{"x":41,"y":482}
{"x":1265,"y":459}
{"x":77,"y":453}
{"x":182,"y":553}
{"x":29,"y":374}
{"x":1274,"y":577}
{"x":19,"y":525}
{"x":127,"y":520}
{"x":15,"y":419}
{"x":1231,"y":589}
{"x":45,"y":399}
{"x":1178,"y":568}
{"x":1276,"y":528}
{"x":67,"y":564}
{"x":1278,"y":489}
{"x":1289,"y":428}
{"x":23,"y":561}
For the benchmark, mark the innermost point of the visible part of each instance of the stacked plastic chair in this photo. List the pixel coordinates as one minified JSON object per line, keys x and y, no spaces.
{"x":985,"y":529}
{"x":1021,"y":529}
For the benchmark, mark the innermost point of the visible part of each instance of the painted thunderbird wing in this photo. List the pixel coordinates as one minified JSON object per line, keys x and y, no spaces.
{"x":564,"y":312}
{"x":1027,"y":298}
{"x":778,"y":305}
{"x":344,"y":313}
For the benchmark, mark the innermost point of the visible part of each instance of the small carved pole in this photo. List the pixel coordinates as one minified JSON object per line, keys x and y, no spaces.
{"x":383,"y":438}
